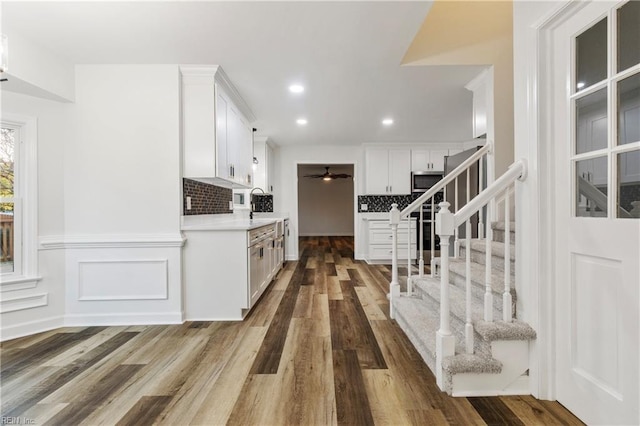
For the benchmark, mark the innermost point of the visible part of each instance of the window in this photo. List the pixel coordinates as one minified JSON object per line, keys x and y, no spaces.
{"x":606,"y":111}
{"x":18,"y":199}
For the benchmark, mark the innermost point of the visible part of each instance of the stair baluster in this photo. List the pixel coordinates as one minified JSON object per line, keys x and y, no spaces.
{"x":480,"y":189}
{"x":468,"y":327}
{"x":488,"y":295}
{"x":456,"y":238}
{"x":445,"y":340}
{"x":409,"y":281}
{"x":432,"y":261}
{"x":394,"y":285}
{"x":419,"y":231}
{"x":507,"y":313}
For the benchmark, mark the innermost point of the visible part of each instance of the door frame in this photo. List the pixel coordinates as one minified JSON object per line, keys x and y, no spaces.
{"x":535,"y":221}
{"x":295,"y":219}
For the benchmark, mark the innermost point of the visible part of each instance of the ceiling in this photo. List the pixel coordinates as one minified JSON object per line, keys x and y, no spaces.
{"x":347,"y":55}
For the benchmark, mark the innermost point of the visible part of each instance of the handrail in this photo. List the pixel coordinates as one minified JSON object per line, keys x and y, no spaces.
{"x":446,"y":180}
{"x":517,"y":171}
{"x":592,"y":192}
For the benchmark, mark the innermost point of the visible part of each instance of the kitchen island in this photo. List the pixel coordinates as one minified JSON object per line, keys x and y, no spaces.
{"x":228,"y":263}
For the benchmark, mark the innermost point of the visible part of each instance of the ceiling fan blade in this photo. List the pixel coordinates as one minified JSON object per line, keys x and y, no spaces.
{"x":314,"y":176}
{"x":341,"y":176}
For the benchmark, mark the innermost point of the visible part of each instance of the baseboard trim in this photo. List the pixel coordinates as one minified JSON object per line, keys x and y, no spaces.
{"x":324,"y":234}
{"x":30,"y":328}
{"x":79,"y":320}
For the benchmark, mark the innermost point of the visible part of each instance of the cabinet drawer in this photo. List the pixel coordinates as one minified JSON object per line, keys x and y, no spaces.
{"x":381,"y":252}
{"x":380,"y":236}
{"x":384,"y":224}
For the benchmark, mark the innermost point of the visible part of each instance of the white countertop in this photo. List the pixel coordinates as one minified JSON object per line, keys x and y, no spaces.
{"x":215,"y":222}
{"x":375,"y":216}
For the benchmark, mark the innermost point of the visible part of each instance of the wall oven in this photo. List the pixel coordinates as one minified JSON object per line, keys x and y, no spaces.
{"x":423,"y":181}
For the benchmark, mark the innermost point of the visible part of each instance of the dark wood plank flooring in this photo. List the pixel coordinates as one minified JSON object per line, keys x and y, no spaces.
{"x":319,"y":348}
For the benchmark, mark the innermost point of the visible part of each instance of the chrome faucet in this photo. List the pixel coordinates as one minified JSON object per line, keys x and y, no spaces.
{"x":251,"y":200}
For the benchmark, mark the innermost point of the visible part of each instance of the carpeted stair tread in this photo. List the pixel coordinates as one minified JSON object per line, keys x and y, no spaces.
{"x":497,"y":248}
{"x":459,"y":267}
{"x":500,"y":330}
{"x":469,"y":363}
{"x":457,"y":299}
{"x":500,"y":226}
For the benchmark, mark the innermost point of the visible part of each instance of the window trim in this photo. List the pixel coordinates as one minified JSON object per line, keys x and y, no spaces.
{"x":28,"y":198}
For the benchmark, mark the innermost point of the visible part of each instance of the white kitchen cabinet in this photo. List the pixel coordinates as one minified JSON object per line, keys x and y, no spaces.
{"x":263,"y":171}
{"x":428,"y":160}
{"x":388,"y":171}
{"x":379,"y":240}
{"x":226,"y":270}
{"x":216,"y":135}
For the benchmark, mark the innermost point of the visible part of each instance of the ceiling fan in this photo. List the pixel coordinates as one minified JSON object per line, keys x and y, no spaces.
{"x":328,"y":175}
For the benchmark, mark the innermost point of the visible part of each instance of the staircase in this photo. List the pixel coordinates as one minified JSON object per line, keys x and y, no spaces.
{"x":462,"y":319}
{"x":500,"y":360}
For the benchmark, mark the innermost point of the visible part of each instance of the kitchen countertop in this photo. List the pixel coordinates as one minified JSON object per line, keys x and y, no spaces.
{"x":217,"y":223}
{"x":375,"y":216}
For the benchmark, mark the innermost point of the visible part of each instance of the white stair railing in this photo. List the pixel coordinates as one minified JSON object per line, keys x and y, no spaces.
{"x":428,"y":198}
{"x":446,"y":223}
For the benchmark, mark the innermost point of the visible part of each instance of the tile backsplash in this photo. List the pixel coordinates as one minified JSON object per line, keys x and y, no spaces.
{"x":382,"y":203}
{"x":205,"y":198}
{"x":262,"y":202}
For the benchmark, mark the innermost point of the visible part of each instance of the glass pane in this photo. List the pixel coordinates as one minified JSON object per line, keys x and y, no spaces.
{"x":591,"y":187}
{"x":7,"y":145}
{"x":591,"y":122}
{"x":628,"y":35}
{"x":591,"y":55}
{"x":6,"y":237}
{"x":629,"y":110}
{"x":629,"y":184}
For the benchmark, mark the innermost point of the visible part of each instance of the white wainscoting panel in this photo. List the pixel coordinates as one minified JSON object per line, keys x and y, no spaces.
{"x":23,"y":302}
{"x":122,"y":279}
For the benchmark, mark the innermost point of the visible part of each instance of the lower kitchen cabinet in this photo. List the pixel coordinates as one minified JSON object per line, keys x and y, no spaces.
{"x":225,"y":271}
{"x":379,"y":240}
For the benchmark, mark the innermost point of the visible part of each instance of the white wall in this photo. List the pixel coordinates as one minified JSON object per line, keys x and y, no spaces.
{"x":53,"y":123}
{"x":325,"y":207}
{"x":285,"y":195}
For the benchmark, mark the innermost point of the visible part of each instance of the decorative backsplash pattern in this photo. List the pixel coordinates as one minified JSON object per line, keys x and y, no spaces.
{"x":382,"y":203}
{"x":262,"y":202}
{"x":630,"y":199}
{"x":205,"y":198}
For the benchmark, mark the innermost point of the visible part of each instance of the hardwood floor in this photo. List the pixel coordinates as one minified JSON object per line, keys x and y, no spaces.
{"x":319,"y":348}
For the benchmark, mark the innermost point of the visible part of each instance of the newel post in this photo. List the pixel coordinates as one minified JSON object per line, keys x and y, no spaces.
{"x":445,"y":341}
{"x":394,"y":285}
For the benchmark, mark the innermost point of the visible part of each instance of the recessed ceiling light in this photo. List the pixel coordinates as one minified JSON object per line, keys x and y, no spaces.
{"x":580,"y":84}
{"x":301,"y":121}
{"x":296,"y":88}
{"x":387,"y":121}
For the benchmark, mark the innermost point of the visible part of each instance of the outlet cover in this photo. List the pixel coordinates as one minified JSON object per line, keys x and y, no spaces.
{"x":230,"y":205}
{"x":364,"y":207}
{"x":188,"y":203}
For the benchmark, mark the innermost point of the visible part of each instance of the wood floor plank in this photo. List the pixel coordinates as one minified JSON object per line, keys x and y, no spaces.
{"x":352,"y":403}
{"x":40,"y":414}
{"x":533,"y":412}
{"x":92,"y":398}
{"x":67,"y":373}
{"x":494,"y":412}
{"x":371,"y":309}
{"x":145,"y":411}
{"x":83,"y":346}
{"x":333,"y":288}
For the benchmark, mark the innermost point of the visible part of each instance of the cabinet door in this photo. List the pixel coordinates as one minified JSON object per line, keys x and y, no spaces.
{"x":420,"y":160}
{"x":399,"y":171}
{"x":377,"y":171}
{"x":233,"y":138}
{"x":255,"y":273}
{"x":480,"y":110}
{"x":222,"y":131}
{"x":268,"y":168}
{"x":437,"y":159}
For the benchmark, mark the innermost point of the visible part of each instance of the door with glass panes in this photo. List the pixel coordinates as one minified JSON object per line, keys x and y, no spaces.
{"x":596,"y":138}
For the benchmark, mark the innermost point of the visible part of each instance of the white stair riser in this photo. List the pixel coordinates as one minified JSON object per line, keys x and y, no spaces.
{"x":498,"y":235}
{"x":478,"y":290}
{"x":417,"y":341}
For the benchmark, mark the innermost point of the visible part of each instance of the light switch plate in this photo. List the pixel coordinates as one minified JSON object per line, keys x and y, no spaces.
{"x":364,"y":207}
{"x":188,"y":203}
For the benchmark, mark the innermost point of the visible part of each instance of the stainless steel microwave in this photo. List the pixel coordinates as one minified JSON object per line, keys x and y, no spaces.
{"x":423,"y":181}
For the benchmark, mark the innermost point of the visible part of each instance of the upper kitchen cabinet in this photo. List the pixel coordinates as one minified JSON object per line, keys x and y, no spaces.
{"x":388,"y":171}
{"x":480,"y":87}
{"x":423,"y":160}
{"x":217,"y":138}
{"x":263,"y":169}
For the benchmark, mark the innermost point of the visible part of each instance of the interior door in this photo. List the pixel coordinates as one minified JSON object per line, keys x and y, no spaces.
{"x":596,"y":83}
